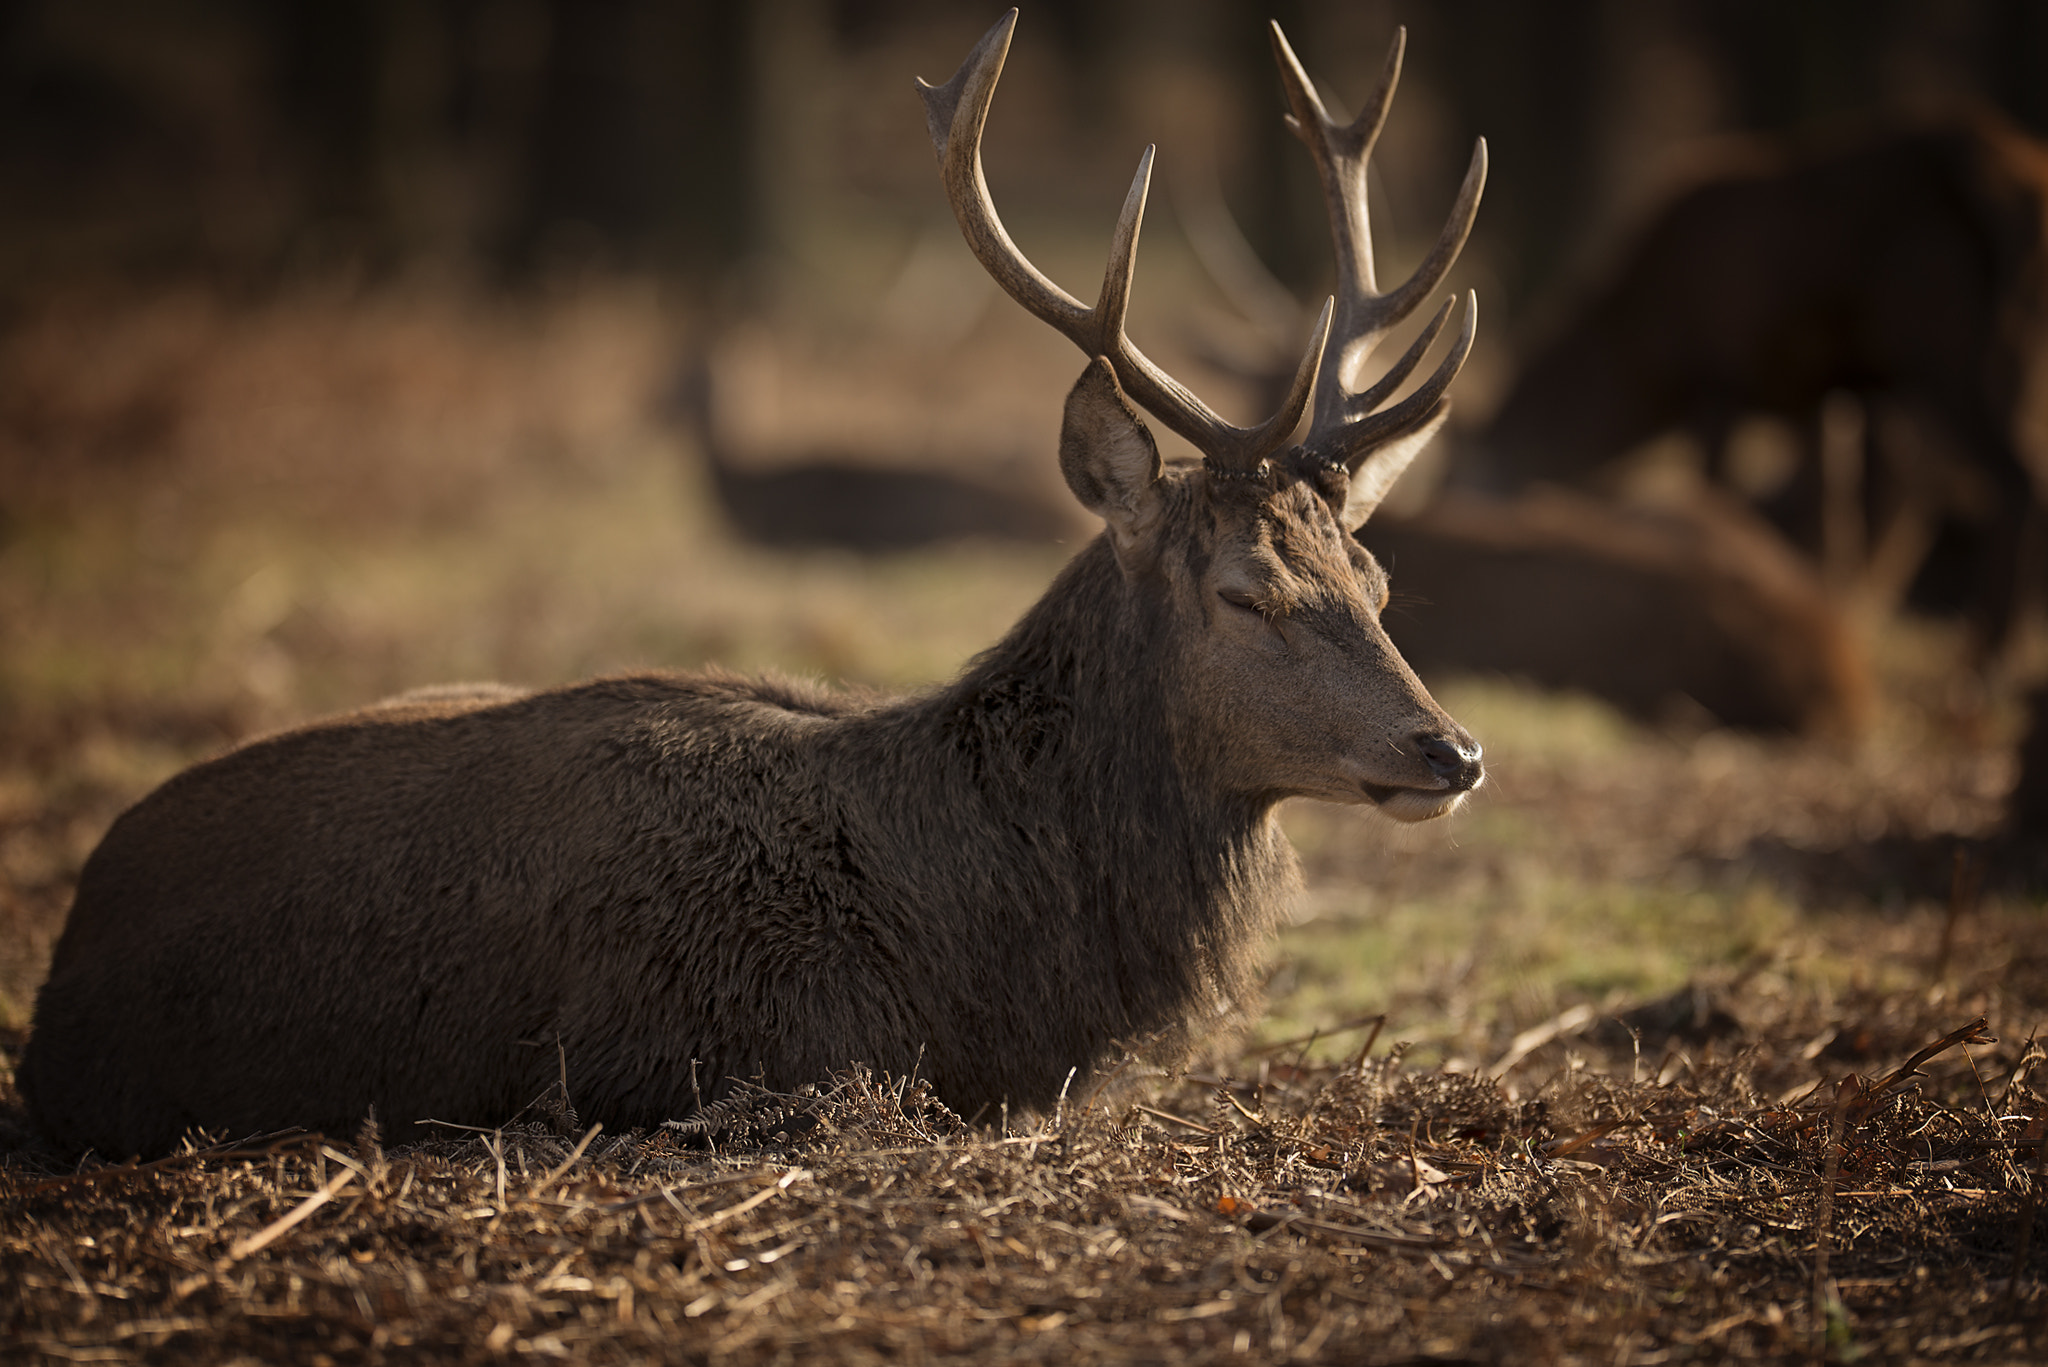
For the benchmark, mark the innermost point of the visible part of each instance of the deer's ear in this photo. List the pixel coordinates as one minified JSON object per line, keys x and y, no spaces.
{"x":1110,"y":460}
{"x":1376,"y":474}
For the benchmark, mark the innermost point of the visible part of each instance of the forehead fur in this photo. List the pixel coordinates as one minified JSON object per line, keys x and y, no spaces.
{"x":1286,"y":534}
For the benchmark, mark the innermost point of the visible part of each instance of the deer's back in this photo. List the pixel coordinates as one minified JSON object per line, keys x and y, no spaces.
{"x":438,"y":906}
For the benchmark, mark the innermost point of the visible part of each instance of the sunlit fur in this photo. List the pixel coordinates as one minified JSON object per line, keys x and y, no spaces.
{"x":1304,"y":695}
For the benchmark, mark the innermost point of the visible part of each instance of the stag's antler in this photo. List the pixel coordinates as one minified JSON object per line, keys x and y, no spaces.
{"x":1345,"y":428}
{"x":956,"y":112}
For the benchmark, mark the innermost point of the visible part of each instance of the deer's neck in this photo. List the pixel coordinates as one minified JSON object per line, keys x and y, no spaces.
{"x":1072,"y":886}
{"x":1054,"y":754}
{"x":1073,"y":709}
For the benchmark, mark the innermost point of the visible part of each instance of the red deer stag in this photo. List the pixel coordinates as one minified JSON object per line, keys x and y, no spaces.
{"x":655,"y":885}
{"x":1910,"y":270}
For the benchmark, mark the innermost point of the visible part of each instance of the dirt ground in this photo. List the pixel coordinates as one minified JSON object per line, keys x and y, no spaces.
{"x":1678,"y":1046}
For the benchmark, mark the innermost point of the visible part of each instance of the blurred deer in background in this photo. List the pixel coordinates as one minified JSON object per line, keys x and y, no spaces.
{"x":1662,"y":611}
{"x":842,"y":495}
{"x":1909,"y":271}
{"x":645,"y":888}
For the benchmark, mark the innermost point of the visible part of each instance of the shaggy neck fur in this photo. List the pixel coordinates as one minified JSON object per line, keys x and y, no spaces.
{"x":1126,"y":897}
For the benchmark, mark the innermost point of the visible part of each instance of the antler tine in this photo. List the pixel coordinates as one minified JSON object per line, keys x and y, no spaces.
{"x":1363,"y":313}
{"x":1353,"y":441}
{"x":1357,"y":405}
{"x":956,"y":113}
{"x":1113,"y":305}
{"x":1341,"y":153}
{"x":1401,"y":302}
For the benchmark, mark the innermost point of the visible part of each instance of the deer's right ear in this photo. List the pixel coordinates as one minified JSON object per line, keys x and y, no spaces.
{"x":1110,"y":460}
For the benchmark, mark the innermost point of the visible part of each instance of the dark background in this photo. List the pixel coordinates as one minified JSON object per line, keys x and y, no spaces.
{"x":255,"y":143}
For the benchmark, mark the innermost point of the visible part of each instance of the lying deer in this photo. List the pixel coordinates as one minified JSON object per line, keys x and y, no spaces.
{"x":651,"y":886}
{"x":1663,"y":611}
{"x":845,"y":498}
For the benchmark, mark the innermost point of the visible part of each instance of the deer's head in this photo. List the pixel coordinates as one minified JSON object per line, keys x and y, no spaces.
{"x":1290,"y":684}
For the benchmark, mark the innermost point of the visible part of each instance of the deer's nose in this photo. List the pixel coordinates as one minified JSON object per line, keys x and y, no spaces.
{"x":1454,"y":759}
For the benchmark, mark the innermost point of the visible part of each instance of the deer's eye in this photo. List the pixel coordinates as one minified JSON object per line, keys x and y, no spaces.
{"x":1240,"y":599}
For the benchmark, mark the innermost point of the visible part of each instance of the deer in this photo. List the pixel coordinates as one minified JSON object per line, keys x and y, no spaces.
{"x":1903,"y":268}
{"x":844,"y":498}
{"x":647,"y":890}
{"x":1694,"y":611}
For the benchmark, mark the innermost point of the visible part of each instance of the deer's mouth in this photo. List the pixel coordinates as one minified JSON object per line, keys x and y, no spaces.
{"x":1414,"y":804}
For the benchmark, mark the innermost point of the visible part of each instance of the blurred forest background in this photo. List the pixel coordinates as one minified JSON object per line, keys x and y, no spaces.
{"x":739,"y":149}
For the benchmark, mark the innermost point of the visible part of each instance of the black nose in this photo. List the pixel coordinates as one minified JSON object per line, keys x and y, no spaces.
{"x":1456,"y":761}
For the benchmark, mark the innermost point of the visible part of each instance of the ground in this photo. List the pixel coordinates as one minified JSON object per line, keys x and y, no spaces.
{"x":1676,"y":1046}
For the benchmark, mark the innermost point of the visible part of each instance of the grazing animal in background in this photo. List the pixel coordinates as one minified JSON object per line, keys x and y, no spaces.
{"x":1909,"y":270}
{"x":653,"y":886}
{"x":840,"y":498}
{"x":1662,"y":611}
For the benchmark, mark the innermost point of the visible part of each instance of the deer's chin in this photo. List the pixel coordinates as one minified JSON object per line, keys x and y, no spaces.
{"x":1413,"y":804}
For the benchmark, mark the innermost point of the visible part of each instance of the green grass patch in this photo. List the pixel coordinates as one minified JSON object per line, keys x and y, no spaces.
{"x":1453,"y":972}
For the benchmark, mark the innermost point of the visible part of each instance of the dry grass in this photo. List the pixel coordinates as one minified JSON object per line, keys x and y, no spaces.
{"x":1571,"y":1209}
{"x":1602,"y":1072}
